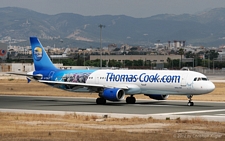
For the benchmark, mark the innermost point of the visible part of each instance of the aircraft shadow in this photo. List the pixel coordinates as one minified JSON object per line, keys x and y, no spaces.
{"x":165,"y":103}
{"x":74,"y":103}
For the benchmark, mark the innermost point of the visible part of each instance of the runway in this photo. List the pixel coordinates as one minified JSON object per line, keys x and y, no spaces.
{"x":142,"y":108}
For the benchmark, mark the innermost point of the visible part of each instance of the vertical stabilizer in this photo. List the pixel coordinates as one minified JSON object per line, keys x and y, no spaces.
{"x":40,"y":57}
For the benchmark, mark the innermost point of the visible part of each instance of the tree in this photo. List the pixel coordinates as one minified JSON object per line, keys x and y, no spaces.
{"x":138,"y":62}
{"x":114,"y":63}
{"x":190,"y":54}
{"x":181,"y":52}
{"x":68,"y":62}
{"x":128,"y":63}
{"x":176,"y":63}
{"x":169,"y":61}
{"x":211,"y":54}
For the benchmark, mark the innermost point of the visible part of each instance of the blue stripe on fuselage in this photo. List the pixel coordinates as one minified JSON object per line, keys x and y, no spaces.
{"x":77,"y":76}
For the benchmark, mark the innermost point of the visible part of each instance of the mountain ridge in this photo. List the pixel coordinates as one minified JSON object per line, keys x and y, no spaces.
{"x":206,"y":28}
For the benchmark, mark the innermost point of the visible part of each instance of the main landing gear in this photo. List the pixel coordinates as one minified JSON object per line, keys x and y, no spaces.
{"x":190,"y":103}
{"x":130,"y":100}
{"x":101,"y":101}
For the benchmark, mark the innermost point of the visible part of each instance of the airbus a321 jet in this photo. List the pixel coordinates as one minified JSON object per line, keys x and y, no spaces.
{"x":113,"y":85}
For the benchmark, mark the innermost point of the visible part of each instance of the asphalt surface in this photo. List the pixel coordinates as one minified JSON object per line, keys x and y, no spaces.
{"x":142,"y":108}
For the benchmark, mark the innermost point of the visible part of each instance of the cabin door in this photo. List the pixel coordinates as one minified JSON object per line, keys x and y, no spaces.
{"x":184,"y":80}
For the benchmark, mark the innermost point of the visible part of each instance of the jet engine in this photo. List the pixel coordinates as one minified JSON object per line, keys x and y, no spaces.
{"x":158,"y":96}
{"x":38,"y":76}
{"x":113,"y":94}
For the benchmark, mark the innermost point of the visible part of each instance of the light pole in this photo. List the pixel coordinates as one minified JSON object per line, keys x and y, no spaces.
{"x":84,"y":58}
{"x":101,"y":26}
{"x":208,"y":60}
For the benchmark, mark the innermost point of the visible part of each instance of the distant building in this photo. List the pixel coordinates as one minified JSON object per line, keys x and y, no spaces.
{"x":64,"y":55}
{"x":153,"y":58}
{"x":20,"y":67}
{"x":16,"y":67}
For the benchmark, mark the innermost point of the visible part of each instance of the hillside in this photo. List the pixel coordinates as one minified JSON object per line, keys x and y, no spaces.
{"x":206,"y":28}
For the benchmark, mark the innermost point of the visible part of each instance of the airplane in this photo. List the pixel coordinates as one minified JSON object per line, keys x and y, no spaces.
{"x":113,"y":85}
{"x":64,"y":55}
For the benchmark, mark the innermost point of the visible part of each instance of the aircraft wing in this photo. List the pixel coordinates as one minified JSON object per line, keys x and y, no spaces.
{"x":68,"y":83}
{"x":81,"y":84}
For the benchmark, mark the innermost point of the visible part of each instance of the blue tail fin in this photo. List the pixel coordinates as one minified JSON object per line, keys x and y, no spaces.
{"x":40,"y":57}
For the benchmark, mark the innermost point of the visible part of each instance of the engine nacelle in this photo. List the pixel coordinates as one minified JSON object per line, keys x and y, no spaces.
{"x":113,"y":94}
{"x":158,"y":96}
{"x":38,"y":76}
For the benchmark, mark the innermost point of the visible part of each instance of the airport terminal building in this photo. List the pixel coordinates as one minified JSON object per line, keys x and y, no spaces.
{"x":152,"y":58}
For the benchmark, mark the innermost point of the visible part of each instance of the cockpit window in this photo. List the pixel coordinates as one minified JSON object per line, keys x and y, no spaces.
{"x":200,"y":79}
{"x":204,"y":79}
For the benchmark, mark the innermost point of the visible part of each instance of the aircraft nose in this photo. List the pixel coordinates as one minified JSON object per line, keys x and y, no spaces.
{"x":211,"y":87}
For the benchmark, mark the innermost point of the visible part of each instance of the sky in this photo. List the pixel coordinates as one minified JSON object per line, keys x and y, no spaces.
{"x":133,"y":8}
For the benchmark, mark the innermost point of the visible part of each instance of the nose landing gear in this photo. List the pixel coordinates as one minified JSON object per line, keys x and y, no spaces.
{"x":190,"y":103}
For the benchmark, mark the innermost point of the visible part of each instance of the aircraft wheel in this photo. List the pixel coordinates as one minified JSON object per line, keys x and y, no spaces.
{"x":190,"y":103}
{"x":100,"y":101}
{"x":130,"y":100}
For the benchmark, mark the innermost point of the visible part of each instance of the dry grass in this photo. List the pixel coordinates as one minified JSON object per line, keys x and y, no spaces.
{"x":76,"y":127}
{"x":20,"y":87}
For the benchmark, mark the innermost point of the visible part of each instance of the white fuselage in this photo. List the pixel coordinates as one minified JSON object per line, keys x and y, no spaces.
{"x":153,"y":81}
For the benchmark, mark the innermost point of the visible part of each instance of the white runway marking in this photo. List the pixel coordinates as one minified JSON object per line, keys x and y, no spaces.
{"x":220,"y":114}
{"x":191,"y":112}
{"x":152,"y":105}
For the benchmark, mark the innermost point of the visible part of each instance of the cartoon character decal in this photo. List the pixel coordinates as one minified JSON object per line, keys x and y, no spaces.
{"x":75,"y":77}
{"x":38,"y":53}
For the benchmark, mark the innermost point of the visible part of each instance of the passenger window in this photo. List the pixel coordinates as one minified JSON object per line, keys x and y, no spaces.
{"x":195,"y":79}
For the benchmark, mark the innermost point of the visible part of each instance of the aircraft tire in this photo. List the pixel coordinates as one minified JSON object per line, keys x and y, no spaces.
{"x":130,"y":100}
{"x":100,"y":101}
{"x":190,"y":103}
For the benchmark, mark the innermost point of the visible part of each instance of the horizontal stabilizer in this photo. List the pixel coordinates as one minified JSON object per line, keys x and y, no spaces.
{"x":22,"y":74}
